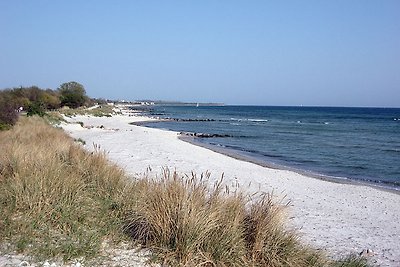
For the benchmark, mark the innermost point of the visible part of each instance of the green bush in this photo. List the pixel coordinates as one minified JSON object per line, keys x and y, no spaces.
{"x":72,"y":94}
{"x":36,"y":108}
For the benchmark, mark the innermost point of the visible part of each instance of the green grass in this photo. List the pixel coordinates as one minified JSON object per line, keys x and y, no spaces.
{"x":5,"y":127}
{"x":54,"y":117}
{"x":351,"y":261}
{"x":101,"y":111}
{"x":58,"y":200}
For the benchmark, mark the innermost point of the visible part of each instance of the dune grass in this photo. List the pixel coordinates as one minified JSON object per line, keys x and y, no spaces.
{"x":55,"y":198}
{"x":100,"y":111}
{"x":58,"y":200}
{"x":189,"y":224}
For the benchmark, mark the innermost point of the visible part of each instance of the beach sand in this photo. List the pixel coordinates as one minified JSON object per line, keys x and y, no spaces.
{"x":338,"y":218}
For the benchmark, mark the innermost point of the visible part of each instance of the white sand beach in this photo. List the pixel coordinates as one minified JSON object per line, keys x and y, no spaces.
{"x":336,"y":217}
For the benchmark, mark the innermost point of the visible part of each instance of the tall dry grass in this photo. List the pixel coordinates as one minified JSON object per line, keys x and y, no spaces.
{"x":190,"y":224}
{"x":56,"y":199}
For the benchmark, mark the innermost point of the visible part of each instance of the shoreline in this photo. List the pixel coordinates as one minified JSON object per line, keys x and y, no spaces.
{"x":252,"y":159}
{"x":339,"y":218}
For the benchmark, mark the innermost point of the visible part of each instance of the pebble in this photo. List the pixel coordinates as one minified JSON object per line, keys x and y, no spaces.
{"x":366,"y":252}
{"x":122,"y":255}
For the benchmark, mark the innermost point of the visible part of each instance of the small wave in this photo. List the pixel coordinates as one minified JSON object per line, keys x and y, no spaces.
{"x":388,"y":184}
{"x":357,"y":167}
{"x":391,"y":150}
{"x":313,"y":122}
{"x":217,"y":144}
{"x":257,"y":120}
{"x":252,"y":120}
{"x":305,"y":161}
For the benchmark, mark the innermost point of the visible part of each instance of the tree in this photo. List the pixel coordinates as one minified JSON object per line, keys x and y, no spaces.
{"x":72,"y":94}
{"x":50,"y":99}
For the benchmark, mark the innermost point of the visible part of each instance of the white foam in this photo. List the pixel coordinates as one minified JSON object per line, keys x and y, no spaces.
{"x":257,"y":120}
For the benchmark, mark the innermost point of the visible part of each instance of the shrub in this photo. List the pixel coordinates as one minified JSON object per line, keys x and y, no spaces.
{"x":36,"y":108}
{"x":50,"y":99}
{"x":8,"y":109}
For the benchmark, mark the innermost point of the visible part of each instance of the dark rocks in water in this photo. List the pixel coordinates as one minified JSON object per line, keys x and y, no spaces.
{"x":191,"y":120}
{"x":205,"y":135}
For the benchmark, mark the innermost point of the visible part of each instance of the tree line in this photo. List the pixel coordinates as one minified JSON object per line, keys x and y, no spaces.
{"x":36,"y":101}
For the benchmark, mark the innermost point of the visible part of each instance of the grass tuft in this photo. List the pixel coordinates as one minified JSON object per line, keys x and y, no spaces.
{"x":189,"y":224}
{"x":351,"y":261}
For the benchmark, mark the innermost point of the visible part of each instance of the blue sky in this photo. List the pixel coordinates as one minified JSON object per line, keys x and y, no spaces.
{"x":323,"y":53}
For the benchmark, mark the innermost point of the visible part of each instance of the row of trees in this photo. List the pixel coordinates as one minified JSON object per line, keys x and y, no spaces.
{"x":35,"y":100}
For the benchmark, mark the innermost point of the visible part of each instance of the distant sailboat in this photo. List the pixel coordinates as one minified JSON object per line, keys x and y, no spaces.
{"x":197,"y":105}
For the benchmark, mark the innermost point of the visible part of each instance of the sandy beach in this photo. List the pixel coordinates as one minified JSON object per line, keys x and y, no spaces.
{"x":336,"y":217}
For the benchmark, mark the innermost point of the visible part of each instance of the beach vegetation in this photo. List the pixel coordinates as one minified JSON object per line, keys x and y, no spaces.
{"x":187,"y":223}
{"x":56,"y":199}
{"x":54,"y":118}
{"x":8,"y":110}
{"x":36,"y":108}
{"x":72,"y":94}
{"x":96,"y":111}
{"x":36,"y":101}
{"x":80,"y":140}
{"x":351,"y":261}
{"x":59,"y":200}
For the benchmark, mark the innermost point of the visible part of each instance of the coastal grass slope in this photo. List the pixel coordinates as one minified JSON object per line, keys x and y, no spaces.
{"x":55,"y":198}
{"x":59,"y":200}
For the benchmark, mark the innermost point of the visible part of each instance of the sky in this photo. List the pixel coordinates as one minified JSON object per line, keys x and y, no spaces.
{"x":290,"y":53}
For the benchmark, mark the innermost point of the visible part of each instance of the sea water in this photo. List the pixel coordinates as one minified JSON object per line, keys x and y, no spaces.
{"x":361,"y":144}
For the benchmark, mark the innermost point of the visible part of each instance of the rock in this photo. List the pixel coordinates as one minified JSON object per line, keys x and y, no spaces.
{"x":191,"y":120}
{"x":366,"y":253}
{"x":205,"y":135}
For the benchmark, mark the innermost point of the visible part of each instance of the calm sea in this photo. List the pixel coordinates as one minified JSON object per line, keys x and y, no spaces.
{"x":344,"y":143}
